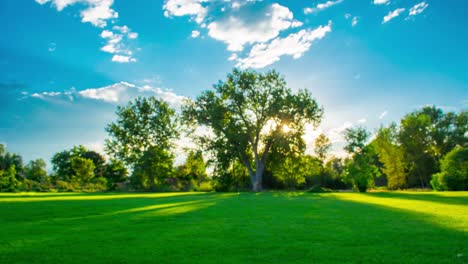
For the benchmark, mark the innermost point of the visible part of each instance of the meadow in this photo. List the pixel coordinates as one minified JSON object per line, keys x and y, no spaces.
{"x":269,"y":227}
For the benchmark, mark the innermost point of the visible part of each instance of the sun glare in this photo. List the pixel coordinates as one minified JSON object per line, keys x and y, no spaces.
{"x":286,"y":129}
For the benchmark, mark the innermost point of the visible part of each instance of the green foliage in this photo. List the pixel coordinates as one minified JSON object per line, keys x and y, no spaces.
{"x":141,"y":125}
{"x":154,"y":170}
{"x":194,"y":168}
{"x":83,"y":169}
{"x":193,"y":172}
{"x":334,"y":175}
{"x":35,"y":170}
{"x":392,"y":157}
{"x":8,"y":181}
{"x":233,"y":178}
{"x":322,"y":146}
{"x":248,"y":113}
{"x":11,"y":170}
{"x":426,"y":136}
{"x":116,"y":174}
{"x":62,"y":162}
{"x":454,"y":172}
{"x":319,"y":189}
{"x":360,"y":169}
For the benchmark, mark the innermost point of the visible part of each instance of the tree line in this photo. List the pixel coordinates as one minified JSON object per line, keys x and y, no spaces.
{"x":254,"y":127}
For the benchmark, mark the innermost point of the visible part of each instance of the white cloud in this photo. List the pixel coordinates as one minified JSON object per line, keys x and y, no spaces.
{"x":118,"y":93}
{"x":195,"y":34}
{"x":96,"y":12}
{"x":418,"y":8}
{"x":295,"y":45}
{"x":109,"y":48}
{"x":240,"y":28}
{"x":106,"y":34}
{"x":383,"y":114}
{"x":193,"y":8}
{"x":123,"y":92}
{"x":392,"y":14}
{"x":321,"y":6}
{"x":355,"y":21}
{"x":132,"y":35}
{"x":99,"y":13}
{"x":233,"y":57}
{"x":123,"y":29}
{"x":362,"y":121}
{"x":381,"y":2}
{"x":116,"y":45}
{"x":123,"y":59}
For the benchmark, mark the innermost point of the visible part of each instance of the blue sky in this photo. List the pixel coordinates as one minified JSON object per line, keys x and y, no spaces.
{"x":66,"y":64}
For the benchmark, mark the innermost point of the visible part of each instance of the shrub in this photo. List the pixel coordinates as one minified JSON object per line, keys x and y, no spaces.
{"x":205,"y":187}
{"x":454,"y":171}
{"x":318,"y":189}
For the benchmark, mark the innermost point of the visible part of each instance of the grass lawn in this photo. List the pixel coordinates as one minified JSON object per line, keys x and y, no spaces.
{"x":272,"y":227}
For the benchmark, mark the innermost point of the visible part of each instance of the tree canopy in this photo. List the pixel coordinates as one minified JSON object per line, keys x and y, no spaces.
{"x":248,"y":113}
{"x":140,"y":125}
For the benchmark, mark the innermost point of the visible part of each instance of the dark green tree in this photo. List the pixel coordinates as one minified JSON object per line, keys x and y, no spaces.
{"x":62,"y":162}
{"x":153,"y":169}
{"x":142,"y":124}
{"x":194,"y":167}
{"x":391,"y":155}
{"x":454,"y":171}
{"x":321,"y":148}
{"x":360,"y":169}
{"x":8,"y":181}
{"x":116,"y":173}
{"x":249,"y":113}
{"x":36,"y":170}
{"x":10,"y":176}
{"x":83,"y":169}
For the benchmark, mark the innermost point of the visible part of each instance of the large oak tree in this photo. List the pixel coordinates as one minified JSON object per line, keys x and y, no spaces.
{"x":248,"y":113}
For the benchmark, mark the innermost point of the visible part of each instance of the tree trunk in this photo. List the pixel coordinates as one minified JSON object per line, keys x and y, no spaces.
{"x":257,"y":184}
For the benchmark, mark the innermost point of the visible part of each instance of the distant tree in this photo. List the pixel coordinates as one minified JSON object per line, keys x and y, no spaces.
{"x":9,"y":176}
{"x":335,"y":168}
{"x":360,"y":169}
{"x":415,"y":138}
{"x":292,"y":171}
{"x":321,"y":148}
{"x":141,"y":125}
{"x":12,"y":160}
{"x":8,"y":181}
{"x":152,"y":169}
{"x":249,"y":113}
{"x":391,"y":154}
{"x":83,"y":169}
{"x":194,"y":167}
{"x":454,"y":171}
{"x":233,"y":177}
{"x":35,"y":170}
{"x":116,"y":173}
{"x":62,"y":162}
{"x":98,"y":160}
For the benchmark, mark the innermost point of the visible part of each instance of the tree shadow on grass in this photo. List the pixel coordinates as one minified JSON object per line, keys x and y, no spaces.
{"x":236,"y":228}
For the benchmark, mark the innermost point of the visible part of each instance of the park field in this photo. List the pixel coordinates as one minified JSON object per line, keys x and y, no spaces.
{"x":270,"y":227}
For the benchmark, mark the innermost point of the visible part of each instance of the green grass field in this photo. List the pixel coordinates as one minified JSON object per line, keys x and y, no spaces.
{"x":272,"y":227}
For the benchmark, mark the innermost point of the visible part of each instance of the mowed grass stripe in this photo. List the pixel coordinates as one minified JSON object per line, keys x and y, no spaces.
{"x":272,"y":227}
